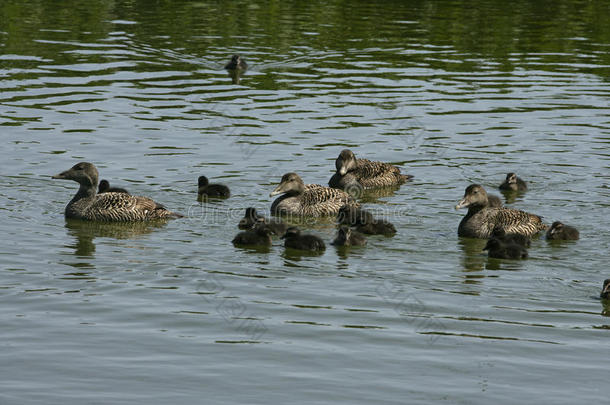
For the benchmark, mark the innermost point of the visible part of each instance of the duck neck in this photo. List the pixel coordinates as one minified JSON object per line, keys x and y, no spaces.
{"x":85,"y":192}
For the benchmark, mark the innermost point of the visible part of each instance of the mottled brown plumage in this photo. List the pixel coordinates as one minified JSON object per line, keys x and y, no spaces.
{"x":481,"y":219}
{"x":301,"y":199}
{"x":116,"y":207}
{"x":355,"y":173}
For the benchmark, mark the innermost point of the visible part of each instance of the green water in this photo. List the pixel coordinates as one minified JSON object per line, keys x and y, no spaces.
{"x":454,"y":92}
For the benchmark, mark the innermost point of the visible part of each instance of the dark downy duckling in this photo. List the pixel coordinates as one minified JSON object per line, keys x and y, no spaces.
{"x":513,"y":183}
{"x":104,"y":187}
{"x":494,"y":201}
{"x":502,"y":250}
{"x":605,"y":294}
{"x":517,"y":238}
{"x":236,"y":62}
{"x":295,"y":240}
{"x":481,"y":219}
{"x":211,"y":190}
{"x":252,"y":218}
{"x":116,"y":207}
{"x":560,"y":231}
{"x":362,"y":174}
{"x":364,"y":221}
{"x":301,"y":199}
{"x":347,"y":237}
{"x":260,"y":235}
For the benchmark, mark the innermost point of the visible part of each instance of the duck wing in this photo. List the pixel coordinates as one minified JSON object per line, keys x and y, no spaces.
{"x":518,"y":222}
{"x":125,"y":207}
{"x":378,"y":174}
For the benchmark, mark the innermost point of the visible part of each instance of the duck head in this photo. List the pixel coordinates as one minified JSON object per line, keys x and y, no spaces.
{"x":202,"y":181}
{"x":556,"y":227}
{"x":511,"y":178}
{"x":345,"y":162}
{"x":605,"y":294}
{"x":291,"y":183}
{"x":84,"y":173}
{"x":474,"y":196}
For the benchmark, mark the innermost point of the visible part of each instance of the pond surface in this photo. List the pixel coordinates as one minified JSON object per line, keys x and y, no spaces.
{"x":452,"y":93}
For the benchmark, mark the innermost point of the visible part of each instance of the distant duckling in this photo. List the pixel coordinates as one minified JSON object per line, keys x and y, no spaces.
{"x":502,"y":250}
{"x":559,"y":231}
{"x":347,"y":237}
{"x":364,"y":221}
{"x":252,"y":218}
{"x":260,"y":235}
{"x":513,"y":183}
{"x":605,"y":294}
{"x":104,"y":187}
{"x":236,"y":62}
{"x":517,"y":238}
{"x":211,"y":190}
{"x":295,"y":240}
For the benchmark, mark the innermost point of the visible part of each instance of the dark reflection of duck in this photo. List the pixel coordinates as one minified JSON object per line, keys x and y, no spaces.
{"x":85,"y":232}
{"x":481,"y":219}
{"x":112,"y":207}
{"x":472,"y":260}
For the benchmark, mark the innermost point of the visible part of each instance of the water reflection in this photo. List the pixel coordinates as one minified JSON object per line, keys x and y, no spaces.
{"x":84,"y":232}
{"x":235,"y":75}
{"x":472,"y":258}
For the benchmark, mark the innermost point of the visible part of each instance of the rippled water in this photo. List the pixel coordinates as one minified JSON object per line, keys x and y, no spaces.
{"x":450,"y":92}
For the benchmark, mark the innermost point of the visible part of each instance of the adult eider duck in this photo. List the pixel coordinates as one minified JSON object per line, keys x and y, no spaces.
{"x":605,"y":294}
{"x":104,"y":187}
{"x":347,"y":237}
{"x":252,"y":219}
{"x":260,"y":235}
{"x":513,"y":183}
{"x":295,"y":240}
{"x":481,"y":219}
{"x":364,"y":221}
{"x":560,"y":231}
{"x":116,"y":207}
{"x":359,"y":174}
{"x":505,"y":250}
{"x":236,"y":62}
{"x":205,"y":189}
{"x":301,"y":199}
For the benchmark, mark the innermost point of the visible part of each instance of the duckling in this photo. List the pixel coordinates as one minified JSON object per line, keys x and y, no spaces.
{"x":236,"y":62}
{"x":605,"y":294}
{"x":494,"y":201}
{"x":260,"y":235}
{"x":559,"y":231}
{"x":347,"y":237}
{"x":501,"y":250}
{"x":300,"y":199}
{"x":211,"y":190}
{"x":252,"y":218}
{"x":116,"y":207}
{"x":517,"y":238}
{"x":361,"y":174}
{"x":364,"y":221}
{"x":295,"y":240}
{"x":513,"y":183}
{"x":481,"y":219}
{"x":104,"y":187}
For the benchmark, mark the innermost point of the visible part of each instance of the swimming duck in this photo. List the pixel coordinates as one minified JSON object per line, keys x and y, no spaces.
{"x":89,"y":205}
{"x":559,"y":231}
{"x":517,"y":238}
{"x":513,"y":183}
{"x":481,"y":219}
{"x":347,"y":237}
{"x":211,"y":190}
{"x":605,"y":294}
{"x":359,"y":174}
{"x":104,"y":187}
{"x":252,"y":218}
{"x":301,"y":199}
{"x":236,"y":62}
{"x":295,"y":240}
{"x":260,"y":235}
{"x":502,"y":250}
{"x":364,"y":221}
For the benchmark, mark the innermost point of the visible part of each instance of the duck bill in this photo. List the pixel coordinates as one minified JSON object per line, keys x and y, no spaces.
{"x":464,"y":203}
{"x":343,"y":171}
{"x":278,"y":190}
{"x":61,"y":175}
